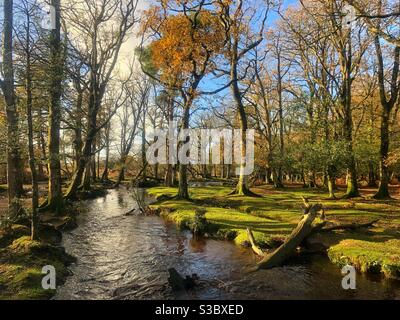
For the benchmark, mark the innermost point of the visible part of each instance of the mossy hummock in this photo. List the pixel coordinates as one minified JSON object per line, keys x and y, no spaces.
{"x":369,"y":257}
{"x":21,"y":266}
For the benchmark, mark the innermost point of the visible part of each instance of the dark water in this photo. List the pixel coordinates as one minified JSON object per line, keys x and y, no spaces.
{"x":128,"y":257}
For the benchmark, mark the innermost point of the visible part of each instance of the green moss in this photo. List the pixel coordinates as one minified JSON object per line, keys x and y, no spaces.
{"x":21,"y":266}
{"x":24,"y":244}
{"x":226,"y":223}
{"x":366,"y":256}
{"x":22,"y":283}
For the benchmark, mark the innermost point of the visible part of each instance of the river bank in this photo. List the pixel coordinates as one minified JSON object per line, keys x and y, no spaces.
{"x":22,"y":260}
{"x":273,"y":216}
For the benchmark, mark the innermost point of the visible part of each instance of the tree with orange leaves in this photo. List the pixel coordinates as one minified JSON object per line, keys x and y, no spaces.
{"x":185,"y":37}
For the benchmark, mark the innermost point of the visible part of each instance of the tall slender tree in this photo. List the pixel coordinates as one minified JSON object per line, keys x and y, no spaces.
{"x":28,"y":9}
{"x":387,"y":108}
{"x":14,"y":161}
{"x":239,"y":21}
{"x":55,"y":196}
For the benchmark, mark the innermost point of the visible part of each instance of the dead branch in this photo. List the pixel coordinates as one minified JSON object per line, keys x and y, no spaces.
{"x":257,"y":250}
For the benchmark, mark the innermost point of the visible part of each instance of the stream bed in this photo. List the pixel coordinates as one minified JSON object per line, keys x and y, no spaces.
{"x":127,"y":258}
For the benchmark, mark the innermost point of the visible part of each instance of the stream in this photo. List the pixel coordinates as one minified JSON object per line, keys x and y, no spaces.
{"x":128,"y":257}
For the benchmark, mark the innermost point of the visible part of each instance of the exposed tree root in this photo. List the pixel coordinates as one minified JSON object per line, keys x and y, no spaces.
{"x":382,"y":196}
{"x":351,"y":196}
{"x":244,"y":191}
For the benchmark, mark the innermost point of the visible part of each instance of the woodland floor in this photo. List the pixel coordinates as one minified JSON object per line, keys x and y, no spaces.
{"x":21,"y":260}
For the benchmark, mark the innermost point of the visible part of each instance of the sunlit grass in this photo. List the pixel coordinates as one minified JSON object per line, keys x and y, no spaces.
{"x":367,"y":256}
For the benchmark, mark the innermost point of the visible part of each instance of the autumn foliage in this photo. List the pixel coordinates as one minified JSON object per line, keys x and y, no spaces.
{"x":185,"y":43}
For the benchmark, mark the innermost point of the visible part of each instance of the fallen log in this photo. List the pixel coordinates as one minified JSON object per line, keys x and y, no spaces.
{"x":299,"y":234}
{"x":304,"y":230}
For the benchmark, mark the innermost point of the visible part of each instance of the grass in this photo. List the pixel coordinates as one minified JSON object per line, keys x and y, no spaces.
{"x":366,"y":256}
{"x":273,"y":216}
{"x":229,"y":215}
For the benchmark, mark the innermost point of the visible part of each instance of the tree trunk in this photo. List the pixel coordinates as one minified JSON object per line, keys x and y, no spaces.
{"x":383,"y":192}
{"x":104,"y":176}
{"x":168,"y":176}
{"x":144,"y":160}
{"x":43,"y":147}
{"x":55,"y":197}
{"x":371,"y":175}
{"x":279,"y":178}
{"x":183,"y":192}
{"x":170,"y":169}
{"x":87,"y":177}
{"x":331,"y":187}
{"x":352,"y":179}
{"x":87,"y":155}
{"x":78,"y":143}
{"x":257,"y":250}
{"x":121,"y":175}
{"x":387,"y":107}
{"x":31,"y":149}
{"x":156,"y":166}
{"x":14,"y":162}
{"x":78,"y":175}
{"x":269,"y":179}
{"x":93,"y":163}
{"x":312,"y":180}
{"x":241,"y":188}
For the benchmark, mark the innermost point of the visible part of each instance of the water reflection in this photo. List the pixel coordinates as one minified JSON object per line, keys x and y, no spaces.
{"x":128,"y":257}
{"x":198,"y":245}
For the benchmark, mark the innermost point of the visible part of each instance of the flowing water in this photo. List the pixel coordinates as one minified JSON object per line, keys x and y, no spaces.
{"x":128,"y":257}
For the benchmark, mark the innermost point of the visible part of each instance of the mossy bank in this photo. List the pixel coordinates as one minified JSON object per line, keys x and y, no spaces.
{"x":22,"y":260}
{"x":21,"y":266}
{"x":273,"y":216}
